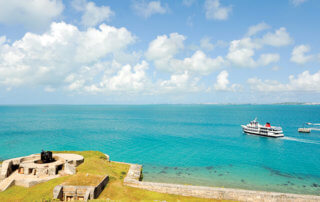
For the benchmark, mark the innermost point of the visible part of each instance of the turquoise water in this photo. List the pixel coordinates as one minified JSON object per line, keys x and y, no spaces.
{"x":189,"y":144}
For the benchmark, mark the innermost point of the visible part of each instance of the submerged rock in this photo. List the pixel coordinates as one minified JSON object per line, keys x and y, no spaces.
{"x":276,"y":172}
{"x":179,"y":173}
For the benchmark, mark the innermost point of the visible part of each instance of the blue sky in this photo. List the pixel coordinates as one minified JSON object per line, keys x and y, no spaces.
{"x":149,"y":52}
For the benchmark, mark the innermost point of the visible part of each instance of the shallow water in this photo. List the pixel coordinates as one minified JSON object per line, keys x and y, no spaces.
{"x":189,"y":144}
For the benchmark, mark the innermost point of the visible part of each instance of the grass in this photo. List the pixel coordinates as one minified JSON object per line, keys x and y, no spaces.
{"x":94,"y":168}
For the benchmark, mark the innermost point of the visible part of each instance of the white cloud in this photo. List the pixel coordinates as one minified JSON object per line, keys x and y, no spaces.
{"x":127,"y":79}
{"x":241,"y":54}
{"x":35,"y":14}
{"x":146,"y":9}
{"x":3,"y":39}
{"x":92,"y":14}
{"x":178,"y":83}
{"x":163,"y":49}
{"x":215,"y":11}
{"x":266,"y":59}
{"x":298,"y":54}
{"x":222,"y":83}
{"x":298,"y":2}
{"x":303,"y":82}
{"x":205,"y":43}
{"x":47,"y":59}
{"x":198,"y":63}
{"x":253,"y":30}
{"x":280,"y":38}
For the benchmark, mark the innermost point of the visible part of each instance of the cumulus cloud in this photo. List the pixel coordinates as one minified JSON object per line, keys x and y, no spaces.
{"x":298,"y":54}
{"x":280,"y":38}
{"x":266,"y":59}
{"x":183,"y":82}
{"x":298,"y":2}
{"x":147,"y":9}
{"x":303,"y":82}
{"x":241,"y":52}
{"x":92,"y":14}
{"x":198,"y":63}
{"x":47,"y":59}
{"x":253,"y":30}
{"x":214,"y":10}
{"x":128,"y":79}
{"x":34,"y":14}
{"x":222,"y":83}
{"x":163,"y":49}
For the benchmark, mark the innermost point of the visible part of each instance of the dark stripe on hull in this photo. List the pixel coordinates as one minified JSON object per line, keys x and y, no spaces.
{"x":262,"y":135}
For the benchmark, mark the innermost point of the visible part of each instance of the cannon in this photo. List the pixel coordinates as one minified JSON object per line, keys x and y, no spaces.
{"x":46,"y":157}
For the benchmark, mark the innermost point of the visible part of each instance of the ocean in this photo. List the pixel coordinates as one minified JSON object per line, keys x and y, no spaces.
{"x":187,"y":144}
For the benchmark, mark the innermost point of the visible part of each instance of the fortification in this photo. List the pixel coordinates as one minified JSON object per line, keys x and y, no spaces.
{"x":133,"y":176}
{"x":30,"y":170}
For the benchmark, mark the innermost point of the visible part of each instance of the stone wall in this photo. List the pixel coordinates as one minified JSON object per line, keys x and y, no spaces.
{"x":85,"y":192}
{"x":132,"y":179}
{"x":99,"y":188}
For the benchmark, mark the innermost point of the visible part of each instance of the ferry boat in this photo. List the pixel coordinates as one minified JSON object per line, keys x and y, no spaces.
{"x":267,"y":130}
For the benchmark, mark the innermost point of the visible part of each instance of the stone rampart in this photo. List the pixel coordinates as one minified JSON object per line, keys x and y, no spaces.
{"x":132,"y":179}
{"x":72,"y":192}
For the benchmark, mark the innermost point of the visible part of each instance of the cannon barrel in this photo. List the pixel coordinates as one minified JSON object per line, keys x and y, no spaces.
{"x":46,"y":157}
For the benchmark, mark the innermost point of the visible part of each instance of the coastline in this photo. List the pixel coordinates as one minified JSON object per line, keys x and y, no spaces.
{"x":135,"y":171}
{"x":132,"y":178}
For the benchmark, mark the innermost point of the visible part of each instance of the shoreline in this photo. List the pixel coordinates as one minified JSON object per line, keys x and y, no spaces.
{"x":133,"y":180}
{"x":134,"y":175}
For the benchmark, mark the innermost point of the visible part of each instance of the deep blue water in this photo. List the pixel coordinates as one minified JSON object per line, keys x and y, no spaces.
{"x":189,"y":144}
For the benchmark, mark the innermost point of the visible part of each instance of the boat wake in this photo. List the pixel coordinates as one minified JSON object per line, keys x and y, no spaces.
{"x":300,"y":140}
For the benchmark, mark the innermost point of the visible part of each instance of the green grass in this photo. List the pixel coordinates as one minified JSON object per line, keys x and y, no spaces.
{"x":94,"y":168}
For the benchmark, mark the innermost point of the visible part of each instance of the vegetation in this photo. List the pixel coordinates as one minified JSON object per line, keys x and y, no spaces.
{"x":91,"y":172}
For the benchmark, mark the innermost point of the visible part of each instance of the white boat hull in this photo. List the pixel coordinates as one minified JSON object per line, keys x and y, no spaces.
{"x":257,"y":131}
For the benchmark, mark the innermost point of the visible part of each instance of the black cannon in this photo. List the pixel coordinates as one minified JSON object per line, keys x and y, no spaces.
{"x":46,"y":157}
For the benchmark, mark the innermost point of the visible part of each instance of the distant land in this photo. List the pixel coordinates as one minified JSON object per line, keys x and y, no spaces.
{"x":280,"y":103}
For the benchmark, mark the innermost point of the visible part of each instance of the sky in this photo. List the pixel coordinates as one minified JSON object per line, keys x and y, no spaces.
{"x":159,"y":52}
